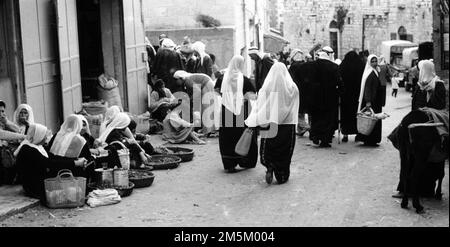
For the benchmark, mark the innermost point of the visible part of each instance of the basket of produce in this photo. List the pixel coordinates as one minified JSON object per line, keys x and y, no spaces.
{"x":141,"y":178}
{"x":163,"y":162}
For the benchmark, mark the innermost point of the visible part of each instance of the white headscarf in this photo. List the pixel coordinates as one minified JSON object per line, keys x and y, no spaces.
{"x":296,"y":55}
{"x":120,"y":121}
{"x":323,"y":55}
{"x":338,"y":61}
{"x":168,"y":44}
{"x":83,"y":119}
{"x":233,"y":84}
{"x":110,"y":113}
{"x":36,"y":134}
{"x":278,"y":99}
{"x":200,"y":47}
{"x":30,"y":120}
{"x":367,"y":71}
{"x":68,"y":141}
{"x":181,"y":74}
{"x":427,"y":75}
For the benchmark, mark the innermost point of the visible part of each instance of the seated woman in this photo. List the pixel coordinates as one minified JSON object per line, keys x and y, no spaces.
{"x":161,"y":100}
{"x":34,"y":164}
{"x":86,"y":132}
{"x":68,"y":144}
{"x":111,"y":112}
{"x":23,"y":117}
{"x":178,"y":130}
{"x":117,"y":131}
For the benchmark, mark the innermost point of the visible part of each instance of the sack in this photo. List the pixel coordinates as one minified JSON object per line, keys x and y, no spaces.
{"x":95,"y":108}
{"x":244,"y":143}
{"x":366,"y":121}
{"x":7,"y":157}
{"x":103,"y":197}
{"x":65,"y":190}
{"x":94,"y":122}
{"x":108,"y":90}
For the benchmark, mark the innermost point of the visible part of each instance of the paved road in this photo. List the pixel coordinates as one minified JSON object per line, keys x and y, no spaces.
{"x":347,"y":185}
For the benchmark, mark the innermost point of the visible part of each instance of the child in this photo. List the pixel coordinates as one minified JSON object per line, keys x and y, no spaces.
{"x":394,"y":81}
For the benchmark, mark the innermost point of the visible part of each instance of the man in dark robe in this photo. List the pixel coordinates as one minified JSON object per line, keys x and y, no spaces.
{"x":167,"y":62}
{"x":325,"y":95}
{"x":263,"y":63}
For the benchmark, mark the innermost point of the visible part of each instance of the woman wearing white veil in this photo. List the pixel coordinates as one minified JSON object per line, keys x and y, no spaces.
{"x":277,"y":107}
{"x":236,"y":91}
{"x":372,"y":94}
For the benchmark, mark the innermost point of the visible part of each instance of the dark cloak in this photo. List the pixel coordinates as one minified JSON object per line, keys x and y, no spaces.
{"x":303,"y":74}
{"x":167,"y":62}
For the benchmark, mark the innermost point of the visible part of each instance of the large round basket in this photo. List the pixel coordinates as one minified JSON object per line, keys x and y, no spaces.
{"x":365,"y":124}
{"x":141,"y":178}
{"x":186,"y":154}
{"x":164,"y":162}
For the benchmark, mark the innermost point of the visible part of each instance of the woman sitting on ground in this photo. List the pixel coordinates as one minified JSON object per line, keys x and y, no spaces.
{"x":117,"y":131}
{"x":68,"y":144}
{"x":110,"y":113}
{"x":34,"y":164}
{"x":86,"y":132}
{"x":161,"y":100}
{"x":23,"y":117}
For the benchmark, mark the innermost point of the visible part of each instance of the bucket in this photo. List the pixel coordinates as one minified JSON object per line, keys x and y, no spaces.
{"x":124,"y":157}
{"x":104,"y":177}
{"x":121,"y":177}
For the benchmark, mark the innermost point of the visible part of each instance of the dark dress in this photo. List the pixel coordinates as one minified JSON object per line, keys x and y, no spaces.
{"x":262,"y":68}
{"x":437,"y":98}
{"x":34,"y":168}
{"x":205,"y":68}
{"x":374,"y":93}
{"x":324,"y":109}
{"x":351,"y":70}
{"x":231,"y":129}
{"x":301,"y":75}
{"x":88,"y":173}
{"x":277,"y":152}
{"x":167,"y":62}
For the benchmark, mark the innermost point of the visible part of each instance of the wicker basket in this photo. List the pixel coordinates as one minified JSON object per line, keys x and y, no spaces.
{"x":186,"y":154}
{"x":65,"y":190}
{"x":124,"y":155}
{"x":158,"y":163}
{"x":143,"y":179}
{"x":366,"y":123}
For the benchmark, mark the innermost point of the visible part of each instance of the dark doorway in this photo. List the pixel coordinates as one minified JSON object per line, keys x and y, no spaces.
{"x":334,"y":43}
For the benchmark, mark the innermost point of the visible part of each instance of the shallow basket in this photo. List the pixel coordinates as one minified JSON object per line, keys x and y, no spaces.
{"x":186,"y":155}
{"x":65,"y":190}
{"x":145,"y":178}
{"x":124,"y":192}
{"x":158,"y":164}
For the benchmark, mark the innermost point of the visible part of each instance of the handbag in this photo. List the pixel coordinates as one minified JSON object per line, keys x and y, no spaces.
{"x":7,"y":157}
{"x":244,"y":143}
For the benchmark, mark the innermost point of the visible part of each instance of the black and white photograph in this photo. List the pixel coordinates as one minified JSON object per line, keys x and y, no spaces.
{"x":253,"y":115}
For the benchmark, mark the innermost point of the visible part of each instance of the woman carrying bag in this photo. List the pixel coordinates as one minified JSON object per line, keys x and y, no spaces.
{"x":236,"y":91}
{"x":276,"y":107}
{"x":372,"y":95}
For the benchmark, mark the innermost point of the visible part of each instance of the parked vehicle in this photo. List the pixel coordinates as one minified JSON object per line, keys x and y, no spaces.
{"x":392,"y":50}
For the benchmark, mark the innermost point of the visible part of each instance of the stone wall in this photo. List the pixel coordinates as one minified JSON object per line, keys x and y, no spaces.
{"x":307,"y":22}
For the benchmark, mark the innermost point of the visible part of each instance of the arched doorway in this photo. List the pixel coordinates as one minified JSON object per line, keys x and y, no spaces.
{"x":334,"y":38}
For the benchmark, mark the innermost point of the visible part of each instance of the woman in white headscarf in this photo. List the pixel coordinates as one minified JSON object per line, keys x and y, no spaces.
{"x":68,"y":144}
{"x":372,"y":95}
{"x":117,"y":131}
{"x":204,"y":63}
{"x":277,"y":108}
{"x":236,"y":91}
{"x":203,"y":86}
{"x":34,"y":164}
{"x":23,"y":117}
{"x":86,"y":132}
{"x":430,"y":90}
{"x":110,"y":113}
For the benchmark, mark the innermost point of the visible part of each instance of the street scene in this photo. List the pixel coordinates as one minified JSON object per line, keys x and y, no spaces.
{"x":243,"y":113}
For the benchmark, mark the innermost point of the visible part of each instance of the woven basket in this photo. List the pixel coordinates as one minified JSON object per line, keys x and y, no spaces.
{"x":366,"y":123}
{"x":65,"y":190}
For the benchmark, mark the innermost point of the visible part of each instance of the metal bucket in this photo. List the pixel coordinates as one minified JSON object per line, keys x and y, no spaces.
{"x":104,"y":177}
{"x":121,"y":177}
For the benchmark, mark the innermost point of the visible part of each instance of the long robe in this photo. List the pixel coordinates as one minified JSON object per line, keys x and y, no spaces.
{"x":231,"y":130}
{"x":205,"y":67}
{"x":374,"y":93}
{"x":437,"y":99}
{"x":351,"y":70}
{"x":324,"y":108}
{"x":167,"y":62}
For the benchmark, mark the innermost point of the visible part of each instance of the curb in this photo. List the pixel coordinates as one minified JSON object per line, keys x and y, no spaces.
{"x":15,"y":211}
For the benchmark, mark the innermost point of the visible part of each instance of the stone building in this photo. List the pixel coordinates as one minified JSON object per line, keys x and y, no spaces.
{"x":356,"y":24}
{"x":440,"y":37}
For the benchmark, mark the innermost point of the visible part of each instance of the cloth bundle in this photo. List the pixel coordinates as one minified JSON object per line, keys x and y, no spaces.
{"x":104,"y":197}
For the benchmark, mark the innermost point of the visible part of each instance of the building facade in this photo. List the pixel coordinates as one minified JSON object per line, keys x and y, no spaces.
{"x":356,"y":24}
{"x":51,"y":53}
{"x":440,"y":37}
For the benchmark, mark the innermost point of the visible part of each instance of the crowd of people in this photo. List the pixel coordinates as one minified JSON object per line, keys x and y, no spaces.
{"x":313,"y":93}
